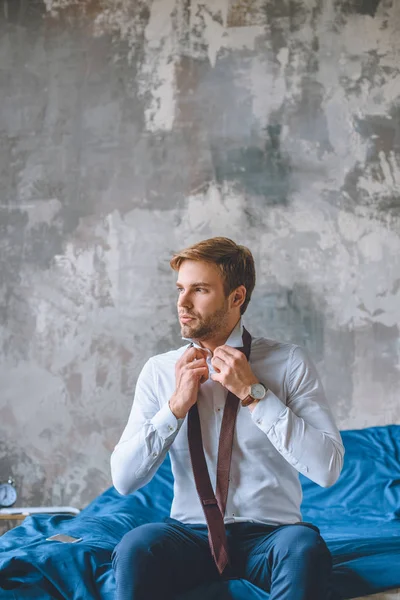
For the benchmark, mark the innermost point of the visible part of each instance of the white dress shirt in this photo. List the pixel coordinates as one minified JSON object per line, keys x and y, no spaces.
{"x":291,"y":430}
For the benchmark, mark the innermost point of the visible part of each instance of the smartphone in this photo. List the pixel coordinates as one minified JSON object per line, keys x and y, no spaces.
{"x":61,"y":537}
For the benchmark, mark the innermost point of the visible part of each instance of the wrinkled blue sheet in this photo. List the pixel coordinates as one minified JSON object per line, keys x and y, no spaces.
{"x":359,"y":517}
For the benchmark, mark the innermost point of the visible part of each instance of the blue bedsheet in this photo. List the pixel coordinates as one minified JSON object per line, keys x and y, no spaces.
{"x":359,"y":517}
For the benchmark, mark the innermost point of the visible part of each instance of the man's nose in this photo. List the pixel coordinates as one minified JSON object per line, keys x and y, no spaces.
{"x":184,"y":300}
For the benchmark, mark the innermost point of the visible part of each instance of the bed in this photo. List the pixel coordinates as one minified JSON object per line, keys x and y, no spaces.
{"x":359,"y":517}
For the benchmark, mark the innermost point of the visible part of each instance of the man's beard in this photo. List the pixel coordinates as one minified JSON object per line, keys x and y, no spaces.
{"x":207,"y":327}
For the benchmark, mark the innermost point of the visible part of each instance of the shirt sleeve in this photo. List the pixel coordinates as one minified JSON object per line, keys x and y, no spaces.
{"x":303,"y":430}
{"x":146,"y":438}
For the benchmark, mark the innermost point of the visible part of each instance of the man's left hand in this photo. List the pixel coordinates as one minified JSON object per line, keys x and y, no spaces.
{"x":233,"y":370}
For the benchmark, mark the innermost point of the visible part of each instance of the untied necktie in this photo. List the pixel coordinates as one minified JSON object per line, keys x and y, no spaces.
{"x":214,"y":504}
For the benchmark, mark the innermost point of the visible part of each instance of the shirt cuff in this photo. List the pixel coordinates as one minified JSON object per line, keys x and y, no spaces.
{"x":165,"y":422}
{"x":268,"y":411}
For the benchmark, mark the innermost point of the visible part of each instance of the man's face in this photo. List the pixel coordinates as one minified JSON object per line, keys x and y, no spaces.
{"x":202,"y":305}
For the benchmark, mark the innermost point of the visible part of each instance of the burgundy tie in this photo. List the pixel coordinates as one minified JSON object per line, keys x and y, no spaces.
{"x":214,"y":504}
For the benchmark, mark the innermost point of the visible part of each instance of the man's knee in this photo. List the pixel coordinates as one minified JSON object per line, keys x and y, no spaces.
{"x":303,"y":543}
{"x":139,"y":544}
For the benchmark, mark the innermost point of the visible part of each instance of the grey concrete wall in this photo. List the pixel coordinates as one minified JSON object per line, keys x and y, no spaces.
{"x":131,"y":129}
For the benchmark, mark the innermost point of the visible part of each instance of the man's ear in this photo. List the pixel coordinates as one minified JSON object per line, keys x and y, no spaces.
{"x":238,"y":296}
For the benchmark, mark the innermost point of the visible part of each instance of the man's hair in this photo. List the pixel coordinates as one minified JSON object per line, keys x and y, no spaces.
{"x":235,"y":262}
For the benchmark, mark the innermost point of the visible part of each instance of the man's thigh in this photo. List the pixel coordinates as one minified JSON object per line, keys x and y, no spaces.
{"x":261,"y":550}
{"x":169,"y":554}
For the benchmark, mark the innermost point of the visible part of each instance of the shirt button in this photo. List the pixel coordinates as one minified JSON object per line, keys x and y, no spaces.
{"x":259,"y":421}
{"x":155,"y":454}
{"x":170,"y":428}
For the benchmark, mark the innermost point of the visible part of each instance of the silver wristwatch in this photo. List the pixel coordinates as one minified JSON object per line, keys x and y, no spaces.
{"x":258,"y":391}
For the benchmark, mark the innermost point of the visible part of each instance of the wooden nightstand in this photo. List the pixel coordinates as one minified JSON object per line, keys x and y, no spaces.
{"x":7,"y":522}
{"x":11,"y":517}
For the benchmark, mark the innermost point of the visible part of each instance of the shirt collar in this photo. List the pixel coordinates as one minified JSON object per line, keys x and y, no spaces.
{"x":235,"y":340}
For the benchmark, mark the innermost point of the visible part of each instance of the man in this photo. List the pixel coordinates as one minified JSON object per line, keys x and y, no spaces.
{"x":283,"y":426}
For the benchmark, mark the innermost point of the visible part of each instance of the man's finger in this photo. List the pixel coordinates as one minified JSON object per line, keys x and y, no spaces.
{"x":203,"y":372}
{"x":202,"y":352}
{"x":224,"y":357}
{"x":218,"y":363}
{"x":197,"y":363}
{"x":193,"y":352}
{"x":228,"y":351}
{"x":216,"y":377}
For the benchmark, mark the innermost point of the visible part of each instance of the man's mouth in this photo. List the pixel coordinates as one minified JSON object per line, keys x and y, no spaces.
{"x":185,"y":318}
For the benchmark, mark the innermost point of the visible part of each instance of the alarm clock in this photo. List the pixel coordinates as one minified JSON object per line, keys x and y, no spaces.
{"x":8,"y":493}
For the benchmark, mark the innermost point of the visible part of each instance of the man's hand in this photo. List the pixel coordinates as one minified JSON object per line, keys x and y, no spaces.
{"x":233,"y":371}
{"x":190,"y":370}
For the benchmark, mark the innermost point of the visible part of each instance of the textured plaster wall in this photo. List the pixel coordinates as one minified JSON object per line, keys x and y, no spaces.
{"x":131,"y":129}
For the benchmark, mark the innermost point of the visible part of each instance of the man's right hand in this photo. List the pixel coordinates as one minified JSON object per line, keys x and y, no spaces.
{"x":190,"y":370}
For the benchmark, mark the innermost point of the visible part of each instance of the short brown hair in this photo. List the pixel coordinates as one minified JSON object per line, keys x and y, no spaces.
{"x":235,"y":262}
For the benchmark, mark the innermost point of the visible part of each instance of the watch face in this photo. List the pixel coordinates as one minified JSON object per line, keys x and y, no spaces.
{"x":258,"y":391}
{"x":8,"y":494}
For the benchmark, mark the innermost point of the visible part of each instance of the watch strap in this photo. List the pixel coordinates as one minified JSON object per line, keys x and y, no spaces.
{"x":248,"y":400}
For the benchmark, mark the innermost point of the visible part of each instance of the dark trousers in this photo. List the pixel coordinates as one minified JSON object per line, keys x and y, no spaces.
{"x":161,"y":560}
